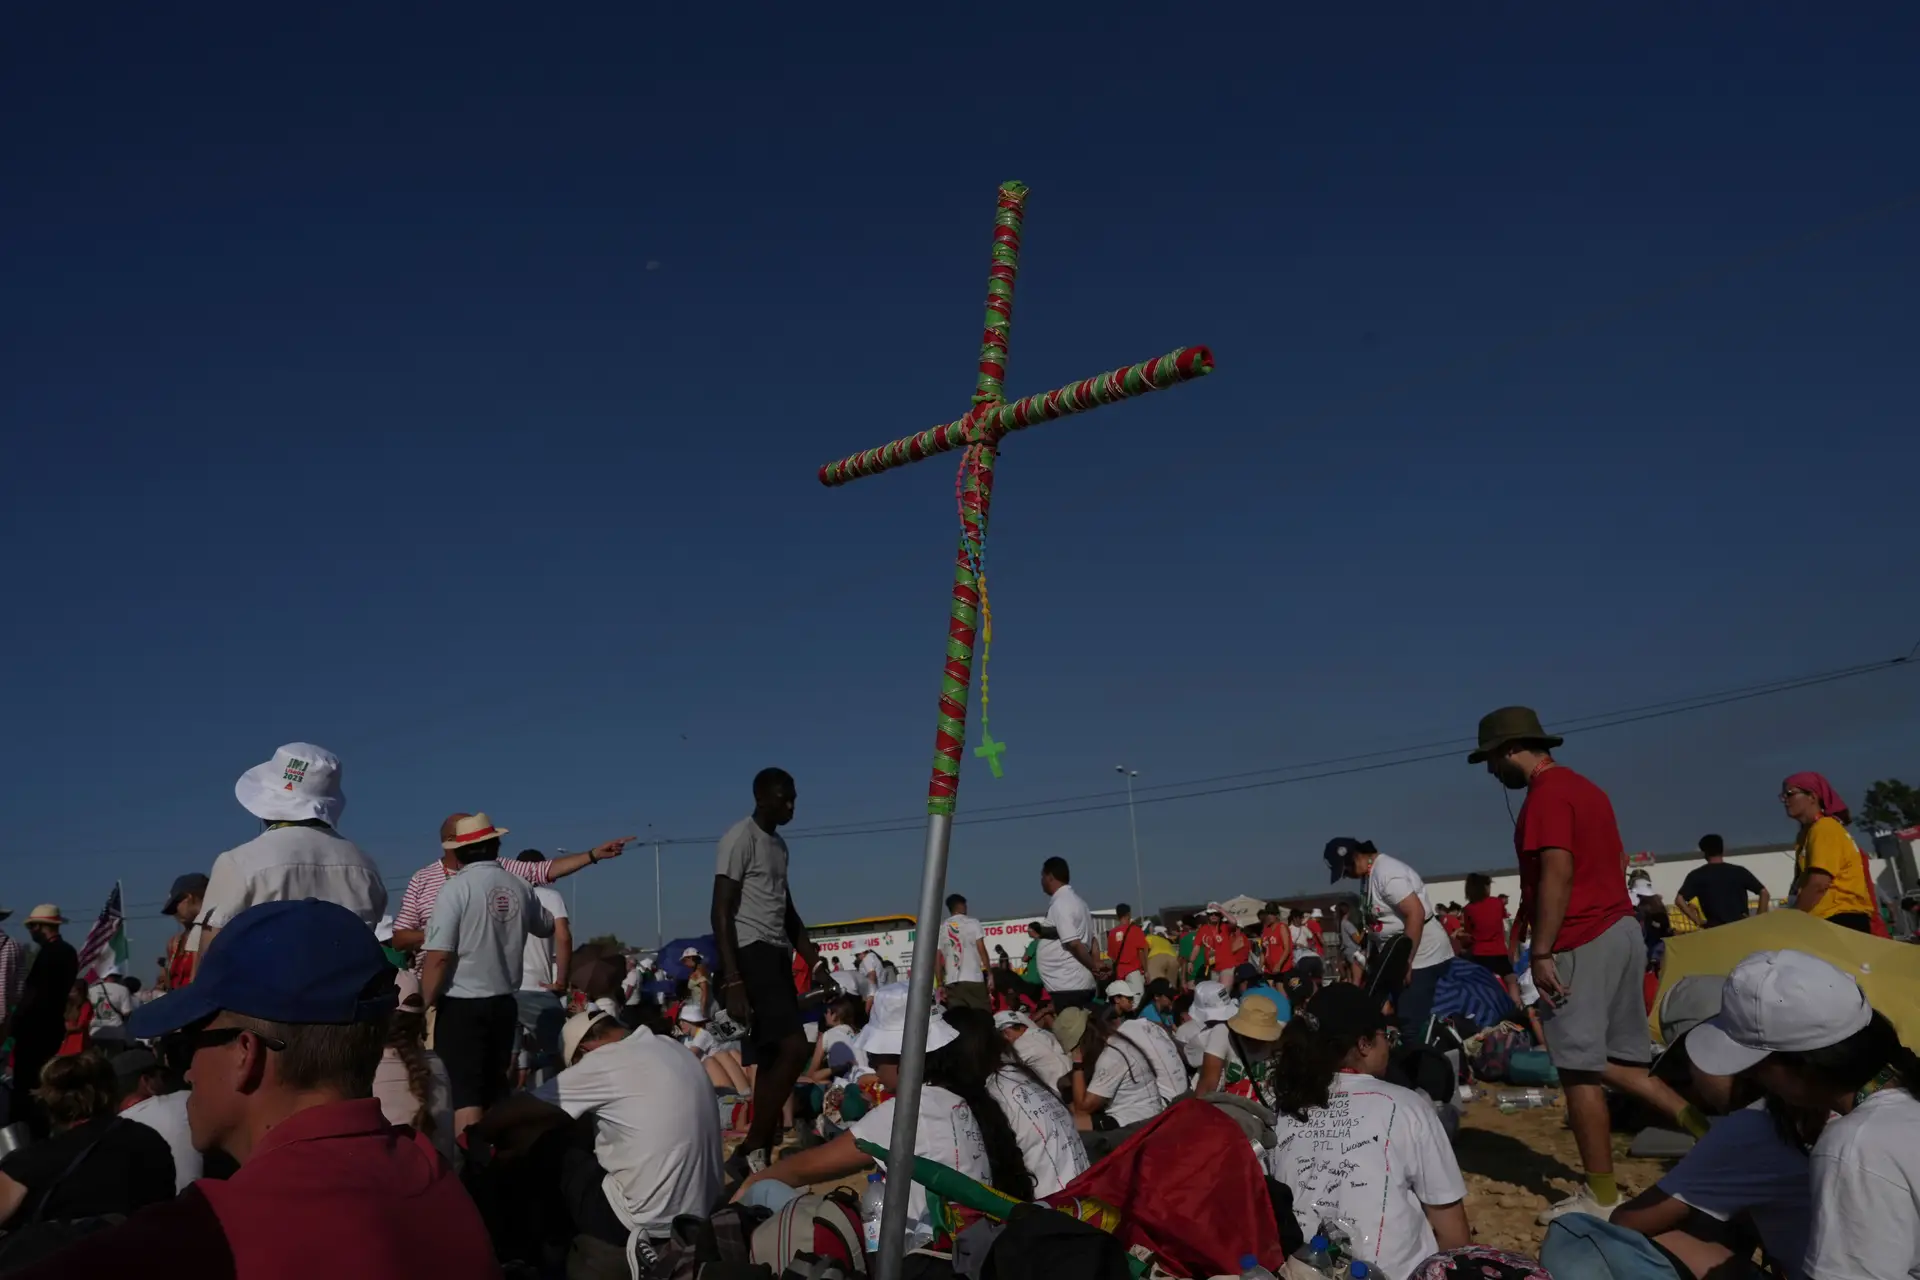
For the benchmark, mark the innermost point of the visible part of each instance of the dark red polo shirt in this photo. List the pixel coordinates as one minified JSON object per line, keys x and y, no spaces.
{"x":1566,"y":811}
{"x":333,"y":1191}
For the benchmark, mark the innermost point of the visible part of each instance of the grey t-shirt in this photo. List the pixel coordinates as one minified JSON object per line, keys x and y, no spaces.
{"x":483,"y":916}
{"x":758,"y":860}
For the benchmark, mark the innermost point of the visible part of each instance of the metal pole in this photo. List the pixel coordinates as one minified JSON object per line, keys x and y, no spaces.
{"x":913,"y":1050}
{"x":659,"y":912}
{"x":1139,"y":885}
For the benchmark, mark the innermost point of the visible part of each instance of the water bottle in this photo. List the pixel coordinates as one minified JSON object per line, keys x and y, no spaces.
{"x":1364,"y":1271}
{"x":873,"y":1200}
{"x":1523,"y":1099}
{"x":1318,"y":1255}
{"x":1250,"y":1269}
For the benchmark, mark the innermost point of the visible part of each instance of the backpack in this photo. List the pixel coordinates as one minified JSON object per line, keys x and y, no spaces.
{"x":824,"y":1227}
{"x":1582,"y":1247}
{"x":1044,"y":1244}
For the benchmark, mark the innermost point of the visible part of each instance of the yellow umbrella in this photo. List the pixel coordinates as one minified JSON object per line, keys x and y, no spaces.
{"x":1889,"y":972}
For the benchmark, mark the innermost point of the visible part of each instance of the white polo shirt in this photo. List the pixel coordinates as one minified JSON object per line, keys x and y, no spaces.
{"x":483,"y":919}
{"x":1059,"y":970}
{"x":286,"y":864}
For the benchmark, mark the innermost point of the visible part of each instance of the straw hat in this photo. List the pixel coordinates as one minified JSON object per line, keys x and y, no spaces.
{"x":1258,"y":1018}
{"x":45,"y":913}
{"x":300,"y":783}
{"x":471,"y":829}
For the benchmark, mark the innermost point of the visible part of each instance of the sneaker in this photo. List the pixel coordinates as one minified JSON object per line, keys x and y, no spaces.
{"x":1580,"y":1202}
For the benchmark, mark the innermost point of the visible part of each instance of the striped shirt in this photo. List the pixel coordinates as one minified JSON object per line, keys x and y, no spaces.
{"x":12,"y":973}
{"x":423,"y":890}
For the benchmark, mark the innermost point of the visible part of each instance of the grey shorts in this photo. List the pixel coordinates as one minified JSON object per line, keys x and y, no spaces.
{"x":1605,"y":1017}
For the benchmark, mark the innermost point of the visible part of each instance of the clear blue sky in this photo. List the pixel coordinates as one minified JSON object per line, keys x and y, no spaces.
{"x":446,"y":387}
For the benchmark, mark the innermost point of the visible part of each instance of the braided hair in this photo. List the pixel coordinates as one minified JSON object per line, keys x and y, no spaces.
{"x":404,"y":1034}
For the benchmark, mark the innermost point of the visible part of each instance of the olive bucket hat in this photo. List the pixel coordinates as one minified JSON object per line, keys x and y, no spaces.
{"x":1508,"y":725}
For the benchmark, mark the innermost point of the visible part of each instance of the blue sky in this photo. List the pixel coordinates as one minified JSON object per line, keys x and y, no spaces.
{"x":448,"y":390}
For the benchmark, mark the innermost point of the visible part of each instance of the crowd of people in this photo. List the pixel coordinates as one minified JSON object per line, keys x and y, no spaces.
{"x":314,"y":1085}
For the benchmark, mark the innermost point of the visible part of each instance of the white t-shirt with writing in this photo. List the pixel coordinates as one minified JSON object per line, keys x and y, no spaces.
{"x":948,"y":1133}
{"x":1059,"y":971}
{"x":482,"y":919}
{"x":1041,"y":1051}
{"x":1050,"y":1146}
{"x":1169,"y":1067}
{"x":1391,"y":882}
{"x":1376,"y":1154}
{"x":1866,"y":1192}
{"x":537,"y":968}
{"x":1124,"y":1076}
{"x":758,"y":860}
{"x":1743,"y":1165}
{"x":657,"y":1132}
{"x":960,"y":949}
{"x":112,"y":1006}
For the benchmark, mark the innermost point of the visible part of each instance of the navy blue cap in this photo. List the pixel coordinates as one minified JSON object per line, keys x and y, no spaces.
{"x":1339,"y":850}
{"x":297,"y":962}
{"x":193,"y":882}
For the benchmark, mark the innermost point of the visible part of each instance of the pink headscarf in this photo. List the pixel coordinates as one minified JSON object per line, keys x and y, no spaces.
{"x":1820,"y":789}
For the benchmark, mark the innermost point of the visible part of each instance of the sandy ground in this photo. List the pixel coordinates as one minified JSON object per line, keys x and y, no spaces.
{"x":1515,"y":1165}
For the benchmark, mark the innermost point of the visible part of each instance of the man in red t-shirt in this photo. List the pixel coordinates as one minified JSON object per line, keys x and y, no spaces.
{"x":1126,"y":944}
{"x":1206,"y":943}
{"x":1589,"y":957}
{"x":1234,"y":950}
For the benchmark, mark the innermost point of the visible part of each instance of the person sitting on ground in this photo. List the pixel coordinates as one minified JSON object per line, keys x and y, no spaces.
{"x":1120,"y":996}
{"x":1114,"y":1082}
{"x":1747,"y":1178}
{"x":837,"y":1059}
{"x":1805,"y":1033}
{"x":1207,"y":1005}
{"x":1036,"y":1047}
{"x":1049,"y":1144}
{"x":1237,"y":1055}
{"x":1158,"y":1004}
{"x":961,"y":1125}
{"x":151,"y":1093}
{"x":94,"y":1165}
{"x":284,"y":1025}
{"x":723,"y":1066}
{"x":1398,"y":1176}
{"x":656,"y":1139}
{"x":411,"y":1081}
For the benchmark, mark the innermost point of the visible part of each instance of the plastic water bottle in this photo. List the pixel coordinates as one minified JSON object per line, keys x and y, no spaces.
{"x":1250,"y":1269}
{"x":873,"y":1201}
{"x":1364,"y":1271}
{"x":1318,"y":1255}
{"x":1522,"y":1100}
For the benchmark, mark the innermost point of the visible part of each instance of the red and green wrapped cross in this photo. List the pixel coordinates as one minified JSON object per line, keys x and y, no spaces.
{"x":977,"y":435}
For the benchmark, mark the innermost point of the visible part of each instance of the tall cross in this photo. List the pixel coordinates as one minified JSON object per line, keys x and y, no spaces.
{"x":978,"y":434}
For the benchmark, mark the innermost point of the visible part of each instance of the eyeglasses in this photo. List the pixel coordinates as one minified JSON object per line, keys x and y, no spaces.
{"x":1791,"y":792}
{"x":195,"y":1039}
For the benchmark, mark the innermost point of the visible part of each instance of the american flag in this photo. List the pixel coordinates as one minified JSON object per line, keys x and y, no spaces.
{"x":106,"y":944}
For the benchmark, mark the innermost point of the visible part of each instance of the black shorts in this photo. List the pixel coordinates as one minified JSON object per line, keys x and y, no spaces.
{"x":1858,"y":921}
{"x":1062,"y":1000}
{"x":767,"y":973}
{"x":476,"y":1038}
{"x":1387,"y":973}
{"x":1498,"y":966}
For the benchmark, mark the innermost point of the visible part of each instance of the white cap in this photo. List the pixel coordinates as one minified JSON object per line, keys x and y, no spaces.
{"x":1115,"y":990}
{"x":300,"y":783}
{"x":1777,"y":1002}
{"x":576,"y":1030}
{"x":886,"y":1028}
{"x":1210,"y":1003}
{"x":691,"y":1012}
{"x":1011,"y":1018}
{"x":692,"y":953}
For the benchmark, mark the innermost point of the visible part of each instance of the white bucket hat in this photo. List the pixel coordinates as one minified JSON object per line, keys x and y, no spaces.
{"x":1210,"y":1003}
{"x":886,"y":1031}
{"x":1777,"y":1002}
{"x":300,"y":783}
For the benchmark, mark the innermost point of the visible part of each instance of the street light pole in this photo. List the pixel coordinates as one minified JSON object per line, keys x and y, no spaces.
{"x":1139,"y":885}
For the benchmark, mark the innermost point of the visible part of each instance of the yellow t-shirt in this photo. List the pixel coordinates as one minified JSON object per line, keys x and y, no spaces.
{"x":1159,"y":946}
{"x":1826,"y":846}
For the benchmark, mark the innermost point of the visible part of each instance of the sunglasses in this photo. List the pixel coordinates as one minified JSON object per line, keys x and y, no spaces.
{"x":1791,"y":792}
{"x":195,"y":1039}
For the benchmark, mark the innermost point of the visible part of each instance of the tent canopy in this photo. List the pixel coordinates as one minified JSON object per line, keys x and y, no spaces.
{"x":1245,"y":910}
